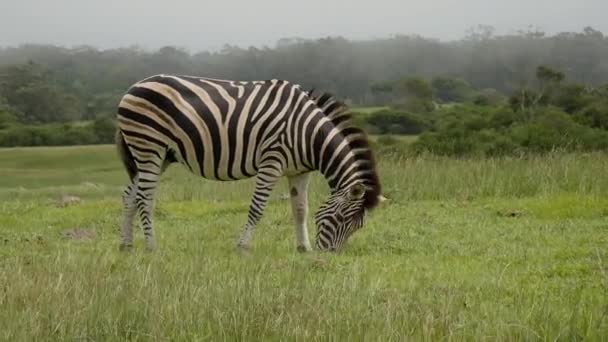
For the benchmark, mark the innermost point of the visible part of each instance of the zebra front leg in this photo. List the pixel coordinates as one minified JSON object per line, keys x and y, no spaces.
{"x":129,"y":210}
{"x":265,"y":182}
{"x":298,"y":189}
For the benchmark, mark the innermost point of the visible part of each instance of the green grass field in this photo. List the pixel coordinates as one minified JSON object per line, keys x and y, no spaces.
{"x":497,"y":249}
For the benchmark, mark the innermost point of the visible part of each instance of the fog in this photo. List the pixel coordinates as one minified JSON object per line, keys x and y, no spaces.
{"x":208,"y":25}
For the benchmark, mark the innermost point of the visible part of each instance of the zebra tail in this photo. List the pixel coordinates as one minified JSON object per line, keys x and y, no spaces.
{"x":125,"y":155}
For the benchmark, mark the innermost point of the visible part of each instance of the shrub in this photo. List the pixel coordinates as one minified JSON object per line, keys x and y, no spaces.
{"x":447,"y":89}
{"x":550,"y":129}
{"x":571,"y":98}
{"x":104,"y":129}
{"x":465,"y":131}
{"x":99,"y":132}
{"x":488,"y":97}
{"x":397,"y":122}
{"x":506,"y":117}
{"x":594,"y":115}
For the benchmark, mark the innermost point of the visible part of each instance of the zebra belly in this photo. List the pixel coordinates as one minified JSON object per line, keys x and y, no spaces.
{"x":219,"y":173}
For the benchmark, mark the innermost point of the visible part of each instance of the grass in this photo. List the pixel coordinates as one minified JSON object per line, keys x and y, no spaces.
{"x":494,"y":249}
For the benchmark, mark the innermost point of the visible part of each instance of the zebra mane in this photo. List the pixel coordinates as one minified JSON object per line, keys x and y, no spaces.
{"x":337,"y":112}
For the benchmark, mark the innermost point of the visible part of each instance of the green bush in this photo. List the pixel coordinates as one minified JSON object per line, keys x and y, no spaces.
{"x":571,"y":98}
{"x":99,"y":132}
{"x":505,"y":118}
{"x":104,"y":129}
{"x":594,"y":140}
{"x":594,"y":115}
{"x":484,"y":143}
{"x":7,"y":119}
{"x":447,"y":89}
{"x":418,"y":106}
{"x":467,"y":131}
{"x":550,"y":129}
{"x":488,"y":97}
{"x":8,"y":114}
{"x":396,"y":122}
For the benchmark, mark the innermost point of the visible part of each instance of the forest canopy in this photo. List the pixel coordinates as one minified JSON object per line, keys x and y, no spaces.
{"x":412,"y":78}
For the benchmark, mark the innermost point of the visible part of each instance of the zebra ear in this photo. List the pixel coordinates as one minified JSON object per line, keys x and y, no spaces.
{"x":381,"y":198}
{"x":356,"y":192}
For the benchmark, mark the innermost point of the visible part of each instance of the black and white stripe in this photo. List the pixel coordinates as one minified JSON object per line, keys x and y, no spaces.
{"x":228,"y":130}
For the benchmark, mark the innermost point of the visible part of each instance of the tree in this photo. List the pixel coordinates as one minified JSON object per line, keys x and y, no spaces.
{"x":449,"y":89}
{"x":547,"y":76}
{"x":36,"y":96}
{"x":488,"y":97}
{"x":548,"y":80}
{"x":415,"y":88}
{"x":7,"y":114}
{"x":571,"y":98}
{"x":594,"y":115}
{"x":415,"y":95}
{"x":104,"y":128}
{"x":396,"y":122}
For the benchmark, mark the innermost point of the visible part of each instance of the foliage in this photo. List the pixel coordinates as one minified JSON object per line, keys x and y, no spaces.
{"x":594,"y":115}
{"x":452,"y":91}
{"x":548,"y":75}
{"x":8,"y":115}
{"x":571,"y":98}
{"x":36,"y":95}
{"x":415,"y":95}
{"x":396,"y":122}
{"x":555,"y":115}
{"x":89,"y":81}
{"x":101,"y":131}
{"x":448,"y":89}
{"x":503,"y":131}
{"x":488,"y":97}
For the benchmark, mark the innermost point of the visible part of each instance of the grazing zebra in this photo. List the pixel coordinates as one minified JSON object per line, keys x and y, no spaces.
{"x":229,"y":130}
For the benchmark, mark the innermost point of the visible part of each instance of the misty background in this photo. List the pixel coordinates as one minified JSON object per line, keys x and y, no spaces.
{"x":198,"y":25}
{"x":458,"y":77}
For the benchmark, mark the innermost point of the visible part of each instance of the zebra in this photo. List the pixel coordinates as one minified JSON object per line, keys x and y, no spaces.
{"x":227,"y":130}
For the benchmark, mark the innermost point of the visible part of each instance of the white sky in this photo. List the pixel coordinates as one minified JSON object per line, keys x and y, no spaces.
{"x":202,"y":24}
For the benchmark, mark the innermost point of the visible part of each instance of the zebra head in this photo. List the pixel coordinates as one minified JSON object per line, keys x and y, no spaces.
{"x":342,"y":215}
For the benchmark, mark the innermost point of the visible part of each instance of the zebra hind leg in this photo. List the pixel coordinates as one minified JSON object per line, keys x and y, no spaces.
{"x":144,"y":199}
{"x":129,"y":210}
{"x":148,"y":176}
{"x":265,"y":182}
{"x":298,"y":189}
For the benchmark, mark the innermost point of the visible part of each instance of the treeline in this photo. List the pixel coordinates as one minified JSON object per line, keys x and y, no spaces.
{"x":99,"y":131}
{"x":94,"y":78}
{"x":443,"y":90}
{"x":553,"y":114}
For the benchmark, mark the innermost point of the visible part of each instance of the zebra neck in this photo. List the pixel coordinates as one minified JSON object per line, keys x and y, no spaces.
{"x":340,"y":166}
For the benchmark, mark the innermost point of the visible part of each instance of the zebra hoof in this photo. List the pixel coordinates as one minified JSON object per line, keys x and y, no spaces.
{"x":304,"y":249}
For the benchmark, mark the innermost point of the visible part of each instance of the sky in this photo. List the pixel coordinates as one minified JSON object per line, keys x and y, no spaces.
{"x":198,"y":25}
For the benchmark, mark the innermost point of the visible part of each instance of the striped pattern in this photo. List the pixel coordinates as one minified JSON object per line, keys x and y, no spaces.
{"x":228,"y":130}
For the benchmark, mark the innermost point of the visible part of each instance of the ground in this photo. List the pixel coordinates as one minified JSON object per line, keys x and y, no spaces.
{"x":493,"y":249}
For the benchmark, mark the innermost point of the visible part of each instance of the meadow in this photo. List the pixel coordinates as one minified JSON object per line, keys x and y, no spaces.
{"x":497,"y":249}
